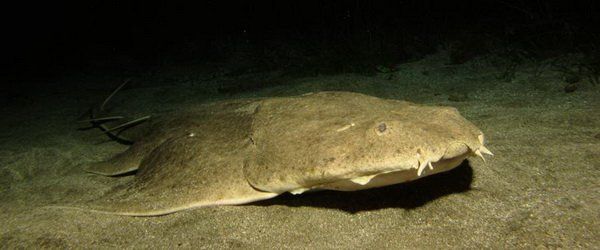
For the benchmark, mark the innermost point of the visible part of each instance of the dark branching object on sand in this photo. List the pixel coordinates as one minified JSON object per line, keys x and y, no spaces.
{"x":96,"y":120}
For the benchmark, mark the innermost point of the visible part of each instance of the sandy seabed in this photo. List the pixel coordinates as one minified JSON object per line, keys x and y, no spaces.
{"x":541,"y":189}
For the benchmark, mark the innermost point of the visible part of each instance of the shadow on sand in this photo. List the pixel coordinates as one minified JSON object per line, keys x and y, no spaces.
{"x":405,"y":195}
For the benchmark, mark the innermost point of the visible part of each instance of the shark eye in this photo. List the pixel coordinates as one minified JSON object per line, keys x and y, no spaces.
{"x":381,"y":127}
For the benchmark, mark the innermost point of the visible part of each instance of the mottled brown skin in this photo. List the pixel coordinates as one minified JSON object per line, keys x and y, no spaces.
{"x":192,"y":159}
{"x":341,"y":136}
{"x":236,"y":152}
